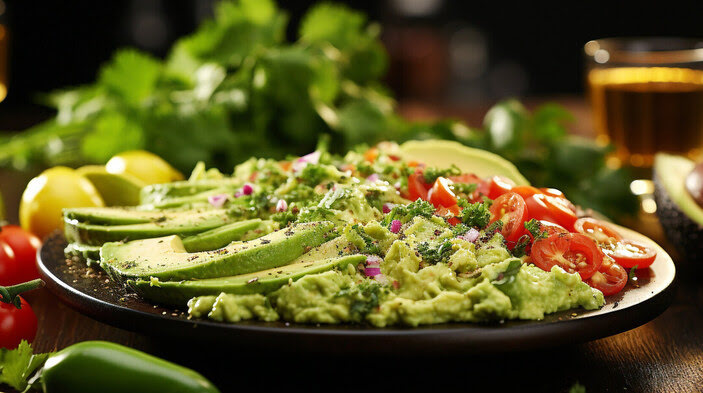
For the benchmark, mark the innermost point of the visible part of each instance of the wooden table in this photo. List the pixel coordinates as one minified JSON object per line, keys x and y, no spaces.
{"x":665,"y":355}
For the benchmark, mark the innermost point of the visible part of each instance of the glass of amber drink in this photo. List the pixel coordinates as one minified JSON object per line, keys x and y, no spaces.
{"x":647,"y":96}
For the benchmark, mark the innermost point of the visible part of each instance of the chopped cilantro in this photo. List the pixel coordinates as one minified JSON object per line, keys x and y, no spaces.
{"x":313,"y":175}
{"x":632,"y":275}
{"x":365,"y":297}
{"x":431,"y":174}
{"x":520,"y":247}
{"x":435,"y":253}
{"x":460,"y":229}
{"x":474,"y":215}
{"x":464,"y":188}
{"x":405,"y":213}
{"x":370,"y":246}
{"x":283,"y":218}
{"x":533,"y":227}
{"x":494,"y":227}
{"x":314,"y":213}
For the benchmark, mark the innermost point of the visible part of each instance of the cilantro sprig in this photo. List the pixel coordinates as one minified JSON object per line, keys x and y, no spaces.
{"x":17,"y":365}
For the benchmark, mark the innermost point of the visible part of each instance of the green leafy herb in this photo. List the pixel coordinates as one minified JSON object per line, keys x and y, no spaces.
{"x":283,"y":218}
{"x":476,"y":214}
{"x":370,"y":246}
{"x":535,"y":230}
{"x":405,"y":213}
{"x":17,"y":365}
{"x":520,"y":248}
{"x":496,"y":226}
{"x":365,"y":297}
{"x":431,"y":174}
{"x":508,"y":276}
{"x":435,"y":253}
{"x":313,"y":175}
{"x":464,"y":188}
{"x":632,"y":275}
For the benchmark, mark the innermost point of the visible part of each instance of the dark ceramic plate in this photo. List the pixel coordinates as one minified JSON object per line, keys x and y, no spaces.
{"x":93,"y":294}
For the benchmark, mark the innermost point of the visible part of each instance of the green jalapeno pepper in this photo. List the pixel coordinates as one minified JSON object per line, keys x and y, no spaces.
{"x":106,"y":367}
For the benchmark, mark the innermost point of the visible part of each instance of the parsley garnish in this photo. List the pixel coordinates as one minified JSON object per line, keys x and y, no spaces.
{"x":632,"y":275}
{"x":437,"y":253}
{"x":313,"y":175}
{"x":534,"y":228}
{"x":370,"y":246}
{"x":520,"y":248}
{"x":431,"y":174}
{"x":464,"y":188}
{"x":474,"y":215}
{"x":405,"y":213}
{"x":18,"y":364}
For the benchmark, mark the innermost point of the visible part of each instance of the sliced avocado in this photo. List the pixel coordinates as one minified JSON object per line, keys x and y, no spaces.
{"x":224,"y":235}
{"x":91,"y":254}
{"x":159,"y":193}
{"x":166,"y":258}
{"x":167,"y":223}
{"x":443,"y":154}
{"x":112,"y":215}
{"x":319,"y":259}
{"x":680,"y":215}
{"x":115,"y":189}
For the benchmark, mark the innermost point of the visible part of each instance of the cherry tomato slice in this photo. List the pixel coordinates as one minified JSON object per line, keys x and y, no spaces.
{"x":629,"y":253}
{"x":510,"y":208}
{"x":553,"y":192}
{"x":24,"y":245}
{"x":543,"y":207}
{"x":526,"y":191}
{"x":551,"y":228}
{"x":609,"y":279}
{"x":574,"y":252}
{"x":498,"y":186}
{"x":417,"y":187}
{"x":441,"y":193}
{"x":450,"y":214}
{"x":597,"y":230}
{"x":16,"y":324}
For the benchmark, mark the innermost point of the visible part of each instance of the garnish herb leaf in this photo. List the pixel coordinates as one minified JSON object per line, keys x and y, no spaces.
{"x":508,"y":276}
{"x":435,"y":253}
{"x":17,"y":365}
{"x":534,"y":228}
{"x":475,"y":215}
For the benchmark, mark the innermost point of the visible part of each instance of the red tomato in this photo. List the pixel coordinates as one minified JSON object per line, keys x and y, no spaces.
{"x":25,"y":246}
{"x":450,"y":214}
{"x":441,"y":193}
{"x":417,"y":187}
{"x":609,"y":279}
{"x":597,"y":230}
{"x":466,"y":178}
{"x":552,"y":192}
{"x":511,"y":210}
{"x":371,"y":155}
{"x":629,"y":253}
{"x":526,"y":191}
{"x":10,"y":269}
{"x":498,"y":186}
{"x":574,"y":252}
{"x":546,"y":208}
{"x":551,"y":228}
{"x":16,"y":324}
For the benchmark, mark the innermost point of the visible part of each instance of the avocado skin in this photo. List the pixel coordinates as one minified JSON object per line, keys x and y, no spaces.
{"x":250,"y":256}
{"x":685,"y":234}
{"x":177,"y":293}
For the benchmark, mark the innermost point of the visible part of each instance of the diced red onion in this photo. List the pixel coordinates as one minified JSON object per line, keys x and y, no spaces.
{"x":395,"y":226}
{"x":373,"y":261}
{"x":217,"y":200}
{"x":281,"y":205}
{"x":372,"y":271}
{"x":470,"y":236}
{"x":373,"y":178}
{"x":247,"y":189}
{"x":387,"y":207}
{"x":302,"y":162}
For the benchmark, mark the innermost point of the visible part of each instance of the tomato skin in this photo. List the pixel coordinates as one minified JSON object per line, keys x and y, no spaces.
{"x":553,"y":192}
{"x":563,"y":249}
{"x":551,"y":228}
{"x":526,"y":191}
{"x":25,"y":246}
{"x":441,"y":193}
{"x":499,"y":185}
{"x":597,"y":230}
{"x":417,"y":188}
{"x":545,"y":208}
{"x":609,"y":279}
{"x":10,"y":270}
{"x":512,"y":206}
{"x":629,"y":253}
{"x":16,"y":324}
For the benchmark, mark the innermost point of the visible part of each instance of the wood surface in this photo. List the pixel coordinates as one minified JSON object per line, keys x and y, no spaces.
{"x":664,"y":355}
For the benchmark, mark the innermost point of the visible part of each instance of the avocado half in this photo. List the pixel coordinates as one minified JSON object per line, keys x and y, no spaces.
{"x":680,"y":215}
{"x":443,"y":154}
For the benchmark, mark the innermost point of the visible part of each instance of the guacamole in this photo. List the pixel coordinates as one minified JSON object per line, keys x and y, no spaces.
{"x":370,"y":237}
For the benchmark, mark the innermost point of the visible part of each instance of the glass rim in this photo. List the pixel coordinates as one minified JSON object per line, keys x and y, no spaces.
{"x":612,"y":50}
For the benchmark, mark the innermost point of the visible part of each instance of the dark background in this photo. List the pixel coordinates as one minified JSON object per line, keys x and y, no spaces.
{"x":441,"y":50}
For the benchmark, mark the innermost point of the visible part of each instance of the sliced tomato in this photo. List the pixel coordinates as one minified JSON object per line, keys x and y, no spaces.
{"x":466,"y":178}
{"x":609,"y":279}
{"x":417,"y":187}
{"x":526,"y":191}
{"x":546,"y":208}
{"x":441,"y":193}
{"x":629,"y":253}
{"x":597,"y":230}
{"x":551,"y":228}
{"x":510,"y":209}
{"x":450,"y":214}
{"x":469,"y":178}
{"x":499,"y":185}
{"x":573,"y":252}
{"x":553,"y":192}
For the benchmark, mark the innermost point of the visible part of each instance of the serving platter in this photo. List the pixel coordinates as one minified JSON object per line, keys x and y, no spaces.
{"x":92,"y":293}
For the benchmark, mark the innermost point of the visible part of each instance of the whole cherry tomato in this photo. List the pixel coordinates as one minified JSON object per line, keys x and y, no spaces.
{"x":16,"y":324}
{"x":24,"y":246}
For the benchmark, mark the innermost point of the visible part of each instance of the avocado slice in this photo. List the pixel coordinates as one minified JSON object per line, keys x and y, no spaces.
{"x":443,"y":154}
{"x":183,"y":224}
{"x":222,"y":236}
{"x":680,"y":215}
{"x":160,"y":193}
{"x":317,"y":260}
{"x":167,"y":259}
